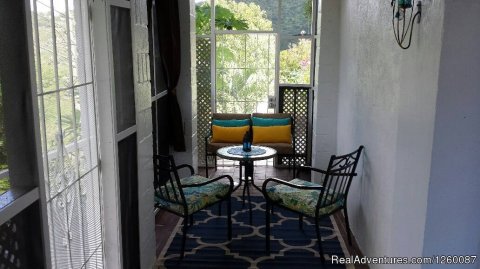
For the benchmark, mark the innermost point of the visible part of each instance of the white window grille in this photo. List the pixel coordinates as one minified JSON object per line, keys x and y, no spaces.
{"x":65,"y":91}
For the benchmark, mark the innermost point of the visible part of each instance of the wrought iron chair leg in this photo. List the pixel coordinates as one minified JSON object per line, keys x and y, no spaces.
{"x":206,"y":164}
{"x":240,"y":172}
{"x":215,"y":158}
{"x":300,"y":221}
{"x":184,"y":238}
{"x":229,"y":217}
{"x":249,"y":203}
{"x":267,"y":228}
{"x":245,"y":186}
{"x":348,"y":225}
{"x":319,"y":238}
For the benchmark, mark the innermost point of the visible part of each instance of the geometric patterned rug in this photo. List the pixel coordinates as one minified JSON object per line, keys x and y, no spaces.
{"x":291,"y":247}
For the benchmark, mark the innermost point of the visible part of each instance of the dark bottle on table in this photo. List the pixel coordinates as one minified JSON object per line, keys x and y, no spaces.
{"x":247,"y":142}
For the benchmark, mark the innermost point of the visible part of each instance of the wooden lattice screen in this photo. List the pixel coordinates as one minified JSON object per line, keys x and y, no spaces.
{"x":204,"y":107}
{"x":10,"y":256}
{"x":295,"y":100}
{"x":12,"y":247}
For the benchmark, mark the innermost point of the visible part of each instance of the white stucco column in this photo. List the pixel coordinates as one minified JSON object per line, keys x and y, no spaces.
{"x":187,"y":86}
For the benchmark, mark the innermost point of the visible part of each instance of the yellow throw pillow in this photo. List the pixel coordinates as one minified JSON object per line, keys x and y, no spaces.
{"x":228,"y":134}
{"x":272,"y":134}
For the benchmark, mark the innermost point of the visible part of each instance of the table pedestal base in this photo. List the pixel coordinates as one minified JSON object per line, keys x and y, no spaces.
{"x":247,"y":179}
{"x":246,"y":162}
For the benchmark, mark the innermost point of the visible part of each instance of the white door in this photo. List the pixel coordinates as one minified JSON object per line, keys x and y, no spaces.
{"x":65,"y":94}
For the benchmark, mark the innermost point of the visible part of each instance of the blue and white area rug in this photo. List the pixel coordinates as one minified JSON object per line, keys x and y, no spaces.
{"x":207,"y":245}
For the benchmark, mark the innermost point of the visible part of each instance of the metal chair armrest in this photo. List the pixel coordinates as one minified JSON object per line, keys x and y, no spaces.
{"x":323,"y":171}
{"x":192,"y":171}
{"x":309,"y":168}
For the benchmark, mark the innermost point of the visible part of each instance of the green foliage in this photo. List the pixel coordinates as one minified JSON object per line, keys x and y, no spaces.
{"x":4,"y":182}
{"x":295,"y":63}
{"x":224,"y":19}
{"x":251,"y":13}
{"x":47,"y":48}
{"x":245,"y":71}
{"x":48,"y":82}
{"x":3,"y":142}
{"x":4,"y":185}
{"x":202,"y":18}
{"x":287,"y":18}
{"x":308,"y":9}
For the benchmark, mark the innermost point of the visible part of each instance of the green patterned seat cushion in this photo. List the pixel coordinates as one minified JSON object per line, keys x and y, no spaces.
{"x":197,"y":198}
{"x":303,"y":201}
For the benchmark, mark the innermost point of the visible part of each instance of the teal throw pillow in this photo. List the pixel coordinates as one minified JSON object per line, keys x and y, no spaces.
{"x":270,"y":121}
{"x":231,"y":123}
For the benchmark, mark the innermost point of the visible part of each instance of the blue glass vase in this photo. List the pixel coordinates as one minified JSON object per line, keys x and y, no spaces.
{"x":247,"y":144}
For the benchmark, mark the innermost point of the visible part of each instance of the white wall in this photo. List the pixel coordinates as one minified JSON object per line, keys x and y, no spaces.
{"x":387,"y":103}
{"x":324,"y":142}
{"x":453,"y":219}
{"x":187,"y":85}
{"x":143,"y":111}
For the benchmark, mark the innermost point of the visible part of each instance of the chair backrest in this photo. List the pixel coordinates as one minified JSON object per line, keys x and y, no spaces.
{"x":339,"y":175}
{"x":274,"y":116}
{"x":230,"y":116}
{"x":167,"y":182}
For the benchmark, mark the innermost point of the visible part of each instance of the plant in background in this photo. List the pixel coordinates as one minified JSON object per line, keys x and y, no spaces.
{"x":3,"y":144}
{"x":4,"y":182}
{"x":295,"y":63}
{"x":224,"y":19}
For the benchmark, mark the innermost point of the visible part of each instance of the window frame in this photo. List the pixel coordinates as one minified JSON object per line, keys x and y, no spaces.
{"x":90,"y":80}
{"x":313,"y":37}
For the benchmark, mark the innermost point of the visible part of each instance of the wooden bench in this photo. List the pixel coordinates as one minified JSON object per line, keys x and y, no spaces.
{"x":283,"y":149}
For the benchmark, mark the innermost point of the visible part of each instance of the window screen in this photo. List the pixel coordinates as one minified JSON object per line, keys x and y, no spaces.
{"x":65,"y":92}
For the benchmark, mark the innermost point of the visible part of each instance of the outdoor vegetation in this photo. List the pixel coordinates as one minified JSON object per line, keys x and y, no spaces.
{"x":59,"y":102}
{"x":245,"y":62}
{"x":4,"y":182}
